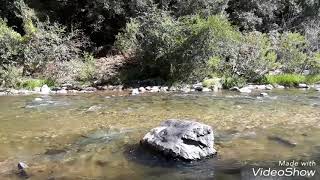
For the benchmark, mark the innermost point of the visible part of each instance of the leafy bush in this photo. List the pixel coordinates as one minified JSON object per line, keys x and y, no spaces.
{"x":192,"y":7}
{"x":74,"y":71}
{"x":313,"y":79}
{"x":212,"y":42}
{"x":10,"y":42}
{"x":291,"y":53}
{"x":269,"y":15}
{"x":49,"y":43}
{"x":252,"y":59}
{"x":233,"y":81}
{"x":212,"y":83}
{"x":87,"y":72}
{"x":10,"y":76}
{"x":178,"y":50}
{"x":154,"y":42}
{"x":126,"y":41}
{"x":314,"y":63}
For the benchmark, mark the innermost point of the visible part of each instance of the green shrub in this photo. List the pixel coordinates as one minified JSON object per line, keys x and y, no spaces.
{"x":49,"y":43}
{"x":291,"y":53}
{"x":126,"y":41}
{"x":214,"y":83}
{"x":285,"y":79}
{"x":313,"y":79}
{"x":87,"y":72}
{"x":77,"y":71}
{"x":252,"y":59}
{"x":43,"y":42}
{"x":314,"y":63}
{"x":192,"y":7}
{"x":185,"y":49}
{"x":233,"y":81}
{"x":210,"y":44}
{"x":10,"y":45}
{"x":154,"y":37}
{"x":10,"y":76}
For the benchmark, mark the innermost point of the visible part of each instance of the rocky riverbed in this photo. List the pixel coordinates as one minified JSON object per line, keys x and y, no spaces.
{"x":97,"y":135}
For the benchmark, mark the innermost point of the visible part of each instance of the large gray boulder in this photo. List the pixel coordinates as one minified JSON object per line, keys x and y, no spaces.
{"x":186,"y":140}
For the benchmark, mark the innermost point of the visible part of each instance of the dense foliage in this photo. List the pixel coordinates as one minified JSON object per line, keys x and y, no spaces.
{"x":176,"y":41}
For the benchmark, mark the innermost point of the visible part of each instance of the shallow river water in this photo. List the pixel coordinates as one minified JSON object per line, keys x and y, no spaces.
{"x":96,"y":136}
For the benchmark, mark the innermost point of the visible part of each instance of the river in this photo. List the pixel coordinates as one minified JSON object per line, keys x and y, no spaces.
{"x":96,"y":136}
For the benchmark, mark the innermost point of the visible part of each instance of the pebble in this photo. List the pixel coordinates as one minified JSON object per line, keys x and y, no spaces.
{"x":245,"y":90}
{"x":37,"y":89}
{"x":206,"y":90}
{"x":142,"y":90}
{"x":269,"y":87}
{"x":303,"y":86}
{"x":45,"y":89}
{"x":172,"y":88}
{"x":164,"y":89}
{"x":155,"y":89}
{"x":279,"y":87}
{"x":135,"y":92}
{"x":62,"y":91}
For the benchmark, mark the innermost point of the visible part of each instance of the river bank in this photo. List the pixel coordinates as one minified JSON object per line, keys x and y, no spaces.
{"x":199,"y":87}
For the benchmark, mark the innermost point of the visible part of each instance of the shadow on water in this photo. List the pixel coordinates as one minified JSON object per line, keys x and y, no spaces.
{"x":210,"y":168}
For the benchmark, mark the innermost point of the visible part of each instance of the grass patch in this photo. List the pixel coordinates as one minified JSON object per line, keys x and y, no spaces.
{"x":285,"y":79}
{"x":292,"y":79}
{"x":32,"y":83}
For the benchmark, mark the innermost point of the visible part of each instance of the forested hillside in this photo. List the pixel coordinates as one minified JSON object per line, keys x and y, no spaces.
{"x":94,"y":42}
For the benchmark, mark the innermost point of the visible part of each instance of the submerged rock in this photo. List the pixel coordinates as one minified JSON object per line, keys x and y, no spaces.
{"x":282,"y":141}
{"x":94,"y":108}
{"x":38,"y":99}
{"x":186,"y":140}
{"x":22,"y":167}
{"x":264,"y":94}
